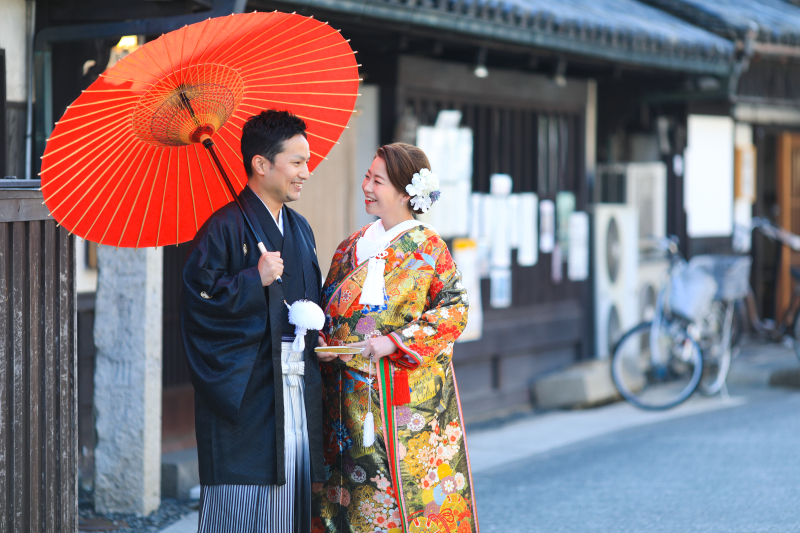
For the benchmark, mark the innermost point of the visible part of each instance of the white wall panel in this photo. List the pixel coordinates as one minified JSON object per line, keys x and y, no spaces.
{"x":708,"y":179}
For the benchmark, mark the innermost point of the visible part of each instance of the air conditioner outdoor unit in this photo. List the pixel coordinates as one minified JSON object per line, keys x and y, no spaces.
{"x":652,"y":273}
{"x":639,"y":185}
{"x":616,"y":258}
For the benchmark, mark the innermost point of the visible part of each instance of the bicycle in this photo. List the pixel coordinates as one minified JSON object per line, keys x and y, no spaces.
{"x":719,"y":331}
{"x":688,"y":344}
{"x":789,"y":323}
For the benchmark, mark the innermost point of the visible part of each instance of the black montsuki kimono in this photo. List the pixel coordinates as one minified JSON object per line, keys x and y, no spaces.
{"x":232,"y":328}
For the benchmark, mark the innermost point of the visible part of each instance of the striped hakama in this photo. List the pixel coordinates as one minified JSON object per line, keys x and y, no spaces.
{"x":269,"y":508}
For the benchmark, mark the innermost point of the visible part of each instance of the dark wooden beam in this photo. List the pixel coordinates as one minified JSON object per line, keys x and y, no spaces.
{"x":83,"y":11}
{"x":3,"y":118}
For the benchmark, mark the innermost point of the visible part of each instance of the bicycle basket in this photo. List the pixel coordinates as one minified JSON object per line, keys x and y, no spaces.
{"x":691,"y":292}
{"x":731,"y":272}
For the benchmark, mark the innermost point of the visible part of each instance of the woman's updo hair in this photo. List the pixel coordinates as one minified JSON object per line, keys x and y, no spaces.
{"x":402,"y":162}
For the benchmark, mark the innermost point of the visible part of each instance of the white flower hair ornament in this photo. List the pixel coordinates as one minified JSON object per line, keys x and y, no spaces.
{"x":423,"y":189}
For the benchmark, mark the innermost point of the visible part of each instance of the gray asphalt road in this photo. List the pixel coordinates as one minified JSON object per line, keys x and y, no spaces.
{"x":733,"y":470}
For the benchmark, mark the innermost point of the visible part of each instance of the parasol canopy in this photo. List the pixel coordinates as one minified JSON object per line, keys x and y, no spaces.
{"x":125,"y":165}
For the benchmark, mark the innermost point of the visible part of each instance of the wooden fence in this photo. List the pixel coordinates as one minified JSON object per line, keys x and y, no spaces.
{"x":38,"y":394}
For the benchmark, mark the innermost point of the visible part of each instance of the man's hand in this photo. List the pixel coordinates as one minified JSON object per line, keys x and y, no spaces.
{"x":270,"y":266}
{"x":325,"y":357}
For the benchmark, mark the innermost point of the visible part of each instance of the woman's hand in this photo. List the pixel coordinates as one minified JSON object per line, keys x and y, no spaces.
{"x":325,"y":357}
{"x":376,"y":347}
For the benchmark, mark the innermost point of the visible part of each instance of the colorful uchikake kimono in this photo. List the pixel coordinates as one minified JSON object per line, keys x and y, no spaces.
{"x":416,"y":475}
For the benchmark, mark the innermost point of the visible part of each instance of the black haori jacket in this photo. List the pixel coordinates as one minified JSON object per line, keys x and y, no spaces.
{"x":232,"y":330}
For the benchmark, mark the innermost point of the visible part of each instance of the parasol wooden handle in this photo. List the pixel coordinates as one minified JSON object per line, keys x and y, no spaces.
{"x":209,"y":144}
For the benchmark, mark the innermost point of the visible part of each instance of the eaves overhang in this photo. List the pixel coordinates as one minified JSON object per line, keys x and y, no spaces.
{"x":619,"y":31}
{"x":771,"y":22}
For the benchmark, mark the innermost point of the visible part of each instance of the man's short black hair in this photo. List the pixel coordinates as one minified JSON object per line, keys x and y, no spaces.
{"x":265,"y":133}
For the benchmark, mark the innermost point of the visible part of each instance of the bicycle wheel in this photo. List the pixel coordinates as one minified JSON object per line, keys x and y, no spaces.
{"x":716,"y":349}
{"x":656,"y":380}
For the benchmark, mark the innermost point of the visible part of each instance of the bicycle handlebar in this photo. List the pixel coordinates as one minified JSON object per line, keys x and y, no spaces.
{"x":668,"y":244}
{"x":776,"y":233}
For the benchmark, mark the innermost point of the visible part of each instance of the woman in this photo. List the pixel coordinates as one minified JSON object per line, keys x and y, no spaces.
{"x":394,"y":291}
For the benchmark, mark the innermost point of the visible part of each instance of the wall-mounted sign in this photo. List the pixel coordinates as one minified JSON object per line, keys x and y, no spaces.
{"x":744,"y":173}
{"x":480,"y":230}
{"x":500,"y":292}
{"x":449,"y":151}
{"x":465,"y":255}
{"x":565,"y":206}
{"x":547,"y":226}
{"x":556,"y":265}
{"x":501,"y":184}
{"x":500,"y":220}
{"x":528,"y":222}
{"x":578,"y":260}
{"x":512,"y":205}
{"x":476,"y":216}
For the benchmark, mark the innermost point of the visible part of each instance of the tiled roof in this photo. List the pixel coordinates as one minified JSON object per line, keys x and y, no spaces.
{"x":626,"y":31}
{"x":628,"y":19}
{"x":775,"y":21}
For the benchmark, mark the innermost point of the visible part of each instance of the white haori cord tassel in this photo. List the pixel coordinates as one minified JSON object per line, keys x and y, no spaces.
{"x":304,"y":315}
{"x":369,"y":420}
{"x":369,"y":430}
{"x":374,"y":291}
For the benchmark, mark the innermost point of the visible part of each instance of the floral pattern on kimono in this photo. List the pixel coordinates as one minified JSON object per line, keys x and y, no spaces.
{"x":416,"y":476}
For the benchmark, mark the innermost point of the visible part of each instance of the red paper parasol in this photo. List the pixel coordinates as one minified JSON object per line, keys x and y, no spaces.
{"x":124,"y":165}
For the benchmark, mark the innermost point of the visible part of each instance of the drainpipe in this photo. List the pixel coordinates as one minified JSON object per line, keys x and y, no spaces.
{"x":30,"y":15}
{"x":44,"y":39}
{"x":743,"y":62}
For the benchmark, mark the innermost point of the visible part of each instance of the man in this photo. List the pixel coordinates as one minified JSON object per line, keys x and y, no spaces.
{"x":258,"y":406}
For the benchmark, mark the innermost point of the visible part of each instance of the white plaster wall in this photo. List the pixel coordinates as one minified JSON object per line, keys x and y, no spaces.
{"x":744,"y":134}
{"x":12,"y":39}
{"x":85,"y":277}
{"x":708,"y":185}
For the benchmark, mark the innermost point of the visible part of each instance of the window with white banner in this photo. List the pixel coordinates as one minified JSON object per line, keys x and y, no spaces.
{"x":501,"y":168}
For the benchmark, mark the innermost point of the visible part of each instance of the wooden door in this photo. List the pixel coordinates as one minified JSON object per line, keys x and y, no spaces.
{"x":327,"y":199}
{"x":788,"y":199}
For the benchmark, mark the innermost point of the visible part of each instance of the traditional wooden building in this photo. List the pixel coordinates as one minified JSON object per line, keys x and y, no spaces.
{"x":548,"y":90}
{"x":565,"y":81}
{"x":761,"y":98}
